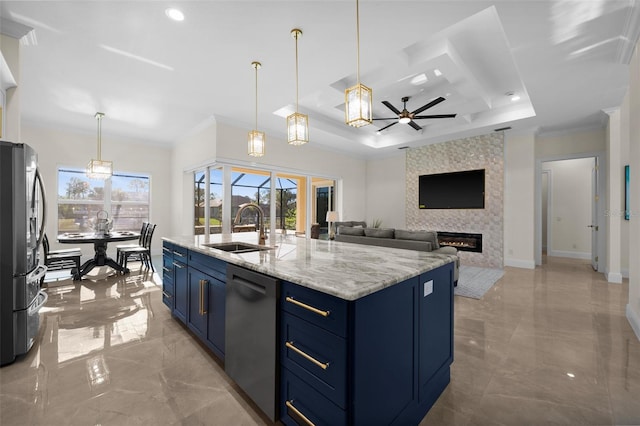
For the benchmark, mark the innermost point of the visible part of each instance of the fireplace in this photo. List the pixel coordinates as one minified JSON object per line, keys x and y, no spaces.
{"x":462,"y":241}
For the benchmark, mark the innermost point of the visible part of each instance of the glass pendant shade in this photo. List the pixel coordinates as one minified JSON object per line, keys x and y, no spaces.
{"x":99,"y":169}
{"x":298,"y":128}
{"x":256,"y":143}
{"x":358,"y":110}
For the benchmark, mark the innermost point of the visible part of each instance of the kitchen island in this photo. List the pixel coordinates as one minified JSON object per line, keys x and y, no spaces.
{"x":364,"y":334}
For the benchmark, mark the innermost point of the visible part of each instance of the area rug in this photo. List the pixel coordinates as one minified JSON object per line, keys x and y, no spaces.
{"x":474,"y":281}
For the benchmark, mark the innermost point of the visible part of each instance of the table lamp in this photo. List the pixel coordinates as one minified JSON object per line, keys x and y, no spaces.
{"x":332,"y":216}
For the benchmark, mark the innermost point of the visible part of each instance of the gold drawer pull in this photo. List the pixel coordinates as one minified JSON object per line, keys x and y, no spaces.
{"x":298,"y":413}
{"x":177,"y":253}
{"x":167,"y":295}
{"x":305,"y":306}
{"x":322,"y":365}
{"x":164,"y":268}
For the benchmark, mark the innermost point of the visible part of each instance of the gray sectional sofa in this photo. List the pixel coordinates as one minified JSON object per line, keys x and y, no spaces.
{"x":357,"y":232}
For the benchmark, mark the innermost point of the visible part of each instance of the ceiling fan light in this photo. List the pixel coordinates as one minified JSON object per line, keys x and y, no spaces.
{"x":404,"y":120}
{"x":256,"y":143}
{"x":358,"y":111}
{"x":297,"y":129}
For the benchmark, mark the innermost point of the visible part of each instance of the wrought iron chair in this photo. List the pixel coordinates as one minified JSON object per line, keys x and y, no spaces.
{"x":141,"y":253}
{"x":61,"y":259}
{"x":120,"y":247}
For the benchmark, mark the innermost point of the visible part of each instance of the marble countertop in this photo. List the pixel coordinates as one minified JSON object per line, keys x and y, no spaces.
{"x":348,"y":271}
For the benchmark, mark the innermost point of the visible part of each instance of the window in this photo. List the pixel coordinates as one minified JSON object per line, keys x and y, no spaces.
{"x":125,"y":197}
{"x":215,"y":201}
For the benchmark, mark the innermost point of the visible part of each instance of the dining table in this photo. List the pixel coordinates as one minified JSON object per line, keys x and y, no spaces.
{"x":100,"y":242}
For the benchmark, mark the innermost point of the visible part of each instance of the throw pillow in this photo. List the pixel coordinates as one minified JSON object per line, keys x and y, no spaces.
{"x":378,"y":232}
{"x":348,"y":230}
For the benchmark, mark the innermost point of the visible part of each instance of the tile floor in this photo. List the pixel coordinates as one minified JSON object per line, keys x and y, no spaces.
{"x":544,"y":346}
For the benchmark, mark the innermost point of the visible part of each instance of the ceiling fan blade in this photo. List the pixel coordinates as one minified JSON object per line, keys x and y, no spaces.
{"x":414,"y":125}
{"x":388,"y":118}
{"x":435,"y":116}
{"x":386,"y":127}
{"x":391,"y":107}
{"x":429,"y":105}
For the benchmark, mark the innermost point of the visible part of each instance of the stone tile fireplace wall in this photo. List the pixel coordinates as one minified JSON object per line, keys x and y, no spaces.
{"x":479,"y":152}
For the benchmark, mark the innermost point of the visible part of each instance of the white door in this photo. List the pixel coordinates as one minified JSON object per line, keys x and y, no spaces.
{"x":594,"y":215}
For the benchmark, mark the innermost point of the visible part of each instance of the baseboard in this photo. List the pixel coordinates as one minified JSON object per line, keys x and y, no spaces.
{"x":634,"y":320}
{"x":570,"y":254}
{"x":625,"y":273}
{"x":520,"y":263}
{"x":613,"y":277}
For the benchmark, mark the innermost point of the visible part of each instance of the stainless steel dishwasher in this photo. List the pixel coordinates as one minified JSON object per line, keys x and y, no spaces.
{"x":251,"y":332}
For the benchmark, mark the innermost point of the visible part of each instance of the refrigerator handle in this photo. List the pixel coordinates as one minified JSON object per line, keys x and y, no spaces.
{"x":44,"y":206}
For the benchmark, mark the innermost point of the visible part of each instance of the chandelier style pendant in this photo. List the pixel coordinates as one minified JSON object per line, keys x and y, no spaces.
{"x":99,"y":169}
{"x":256,"y":138}
{"x":297,"y":124}
{"x":358,"y":98}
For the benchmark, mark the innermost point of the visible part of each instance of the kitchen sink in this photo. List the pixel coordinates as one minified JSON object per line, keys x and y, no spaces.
{"x":237,"y":247}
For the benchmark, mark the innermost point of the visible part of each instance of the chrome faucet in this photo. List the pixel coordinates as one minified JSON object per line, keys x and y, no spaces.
{"x":261,"y":236}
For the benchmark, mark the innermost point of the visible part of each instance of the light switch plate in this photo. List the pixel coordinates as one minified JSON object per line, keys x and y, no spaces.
{"x":428,"y":288}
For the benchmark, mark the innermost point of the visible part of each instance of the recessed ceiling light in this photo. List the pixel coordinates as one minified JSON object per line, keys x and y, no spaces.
{"x":513,"y":96}
{"x":419,"y":79}
{"x":174,"y":14}
{"x":437,"y":72}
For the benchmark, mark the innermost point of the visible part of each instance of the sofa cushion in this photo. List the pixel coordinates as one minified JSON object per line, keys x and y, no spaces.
{"x":430,"y":236}
{"x":349,"y":230}
{"x":379,"y":232}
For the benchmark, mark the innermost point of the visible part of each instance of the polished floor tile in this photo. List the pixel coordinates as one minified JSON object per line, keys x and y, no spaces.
{"x":544,"y":346}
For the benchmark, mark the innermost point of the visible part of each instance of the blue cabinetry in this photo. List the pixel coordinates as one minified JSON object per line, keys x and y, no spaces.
{"x":180,"y":282}
{"x":206,"y":314}
{"x":194,"y":289}
{"x":382,"y":359}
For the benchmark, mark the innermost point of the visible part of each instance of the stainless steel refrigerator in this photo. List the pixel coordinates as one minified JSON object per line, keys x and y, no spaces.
{"x":22,"y":221}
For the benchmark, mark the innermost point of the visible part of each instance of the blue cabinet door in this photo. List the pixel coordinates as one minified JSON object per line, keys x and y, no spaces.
{"x":180,"y":284}
{"x":435,"y":326}
{"x":197,"y":314}
{"x":216,"y":311}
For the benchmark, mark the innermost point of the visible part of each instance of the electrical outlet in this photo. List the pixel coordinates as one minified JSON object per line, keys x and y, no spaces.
{"x":575,"y":246}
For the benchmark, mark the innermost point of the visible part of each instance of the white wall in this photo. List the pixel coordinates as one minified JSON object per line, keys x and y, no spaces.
{"x":227,"y":142}
{"x":570,"y":192}
{"x":386,"y":191}
{"x":519,"y":190}
{"x":569,"y":143}
{"x":57,"y":148}
{"x":633,"y":307}
{"x":625,"y":229}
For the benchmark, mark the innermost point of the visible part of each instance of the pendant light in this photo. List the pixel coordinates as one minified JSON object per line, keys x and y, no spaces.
{"x":99,"y":169}
{"x":297,"y":124}
{"x":358,"y":98}
{"x":256,"y":138}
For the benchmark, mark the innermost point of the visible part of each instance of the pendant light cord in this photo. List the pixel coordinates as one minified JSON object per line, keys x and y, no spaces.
{"x":358,"y":42}
{"x":296,"y":36}
{"x":99,"y":117}
{"x":256,"y":67}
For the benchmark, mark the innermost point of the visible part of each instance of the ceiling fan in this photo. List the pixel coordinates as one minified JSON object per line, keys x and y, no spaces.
{"x":406,"y":117}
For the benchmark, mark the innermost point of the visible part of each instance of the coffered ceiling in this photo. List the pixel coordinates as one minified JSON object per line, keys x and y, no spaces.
{"x":157,"y":80}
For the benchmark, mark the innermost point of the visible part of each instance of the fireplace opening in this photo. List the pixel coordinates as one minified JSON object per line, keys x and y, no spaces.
{"x":462,"y":241}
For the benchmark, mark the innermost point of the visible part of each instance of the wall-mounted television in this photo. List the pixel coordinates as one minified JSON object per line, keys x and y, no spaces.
{"x":456,"y":190}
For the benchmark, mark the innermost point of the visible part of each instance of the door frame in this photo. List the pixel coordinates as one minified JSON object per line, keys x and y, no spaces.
{"x":601,"y":248}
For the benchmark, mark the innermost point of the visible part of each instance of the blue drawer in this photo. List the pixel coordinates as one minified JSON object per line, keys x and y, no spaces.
{"x":298,"y":398}
{"x":180,"y":253}
{"x":323,"y":310}
{"x":168,"y":293}
{"x":209,"y":265}
{"x":167,"y":248}
{"x":316,"y":356}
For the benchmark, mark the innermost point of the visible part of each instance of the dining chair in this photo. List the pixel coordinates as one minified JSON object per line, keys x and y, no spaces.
{"x":120,"y":247}
{"x":141,"y":253}
{"x":61,"y":259}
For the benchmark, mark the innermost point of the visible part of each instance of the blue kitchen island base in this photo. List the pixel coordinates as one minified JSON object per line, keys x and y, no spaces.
{"x":383,"y":359}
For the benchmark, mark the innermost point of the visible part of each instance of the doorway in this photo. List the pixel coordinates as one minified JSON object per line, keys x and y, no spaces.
{"x":570,"y":214}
